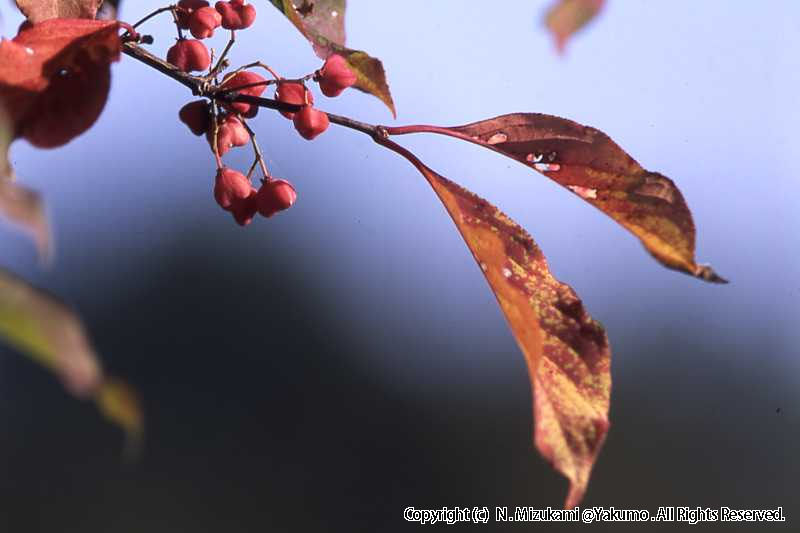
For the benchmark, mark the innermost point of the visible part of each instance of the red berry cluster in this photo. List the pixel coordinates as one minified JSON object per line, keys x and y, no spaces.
{"x":223,"y":119}
{"x":201,"y":20}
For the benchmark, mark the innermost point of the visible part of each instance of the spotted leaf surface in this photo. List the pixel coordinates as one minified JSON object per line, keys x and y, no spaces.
{"x":566,"y":351}
{"x":587,"y":162}
{"x":39,"y":10}
{"x":566,"y":17}
{"x":322,"y":23}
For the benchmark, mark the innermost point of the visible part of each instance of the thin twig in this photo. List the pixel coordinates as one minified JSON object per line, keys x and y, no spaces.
{"x":214,"y":71}
{"x":196,"y":84}
{"x":153,"y":14}
{"x":200,"y":86}
{"x":215,"y":147}
{"x":251,"y":65}
{"x":257,"y":150}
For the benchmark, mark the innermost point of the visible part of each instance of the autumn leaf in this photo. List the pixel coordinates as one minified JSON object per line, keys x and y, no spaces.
{"x":24,"y":207}
{"x":39,"y":10}
{"x":120,"y":404}
{"x":587,"y":162}
{"x":43,"y":328}
{"x":325,"y":18}
{"x":566,"y":17}
{"x":19,"y":204}
{"x":566,"y":351}
{"x":322,"y":23}
{"x":55,"y":77}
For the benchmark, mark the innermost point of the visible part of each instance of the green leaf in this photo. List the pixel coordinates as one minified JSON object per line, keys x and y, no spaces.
{"x":325,"y":31}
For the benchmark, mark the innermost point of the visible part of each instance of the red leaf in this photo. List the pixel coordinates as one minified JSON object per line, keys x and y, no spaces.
{"x":566,"y":351}
{"x":55,"y":77}
{"x":587,"y":162}
{"x":566,"y":17}
{"x":39,"y":10}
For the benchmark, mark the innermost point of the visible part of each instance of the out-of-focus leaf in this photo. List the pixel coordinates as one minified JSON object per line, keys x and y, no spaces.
{"x":587,"y":162}
{"x":323,"y":25}
{"x":120,"y":404}
{"x":55,"y":77}
{"x":17,"y":203}
{"x":566,"y":351}
{"x":6,"y":136}
{"x":565,"y":17}
{"x":24,"y":207}
{"x":39,"y":10}
{"x":43,"y":328}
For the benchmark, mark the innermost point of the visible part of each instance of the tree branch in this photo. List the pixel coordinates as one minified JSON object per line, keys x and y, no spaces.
{"x":202,"y":86}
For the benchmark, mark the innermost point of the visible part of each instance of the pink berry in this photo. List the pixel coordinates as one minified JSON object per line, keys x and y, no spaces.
{"x":185,"y":9}
{"x":236,"y":15}
{"x":335,"y":76}
{"x":244,"y":210}
{"x":229,"y":186}
{"x":310,"y":122}
{"x":189,"y":55}
{"x":203,"y":22}
{"x":195,"y":115}
{"x":293,"y":93}
{"x":275,"y":196}
{"x":231,"y":132}
{"x":242,"y":79}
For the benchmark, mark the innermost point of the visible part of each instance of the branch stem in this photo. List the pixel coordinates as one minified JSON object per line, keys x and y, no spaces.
{"x":153,"y":14}
{"x":200,"y":86}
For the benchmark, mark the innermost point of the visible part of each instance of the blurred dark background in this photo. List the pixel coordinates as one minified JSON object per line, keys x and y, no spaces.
{"x":329,"y":367}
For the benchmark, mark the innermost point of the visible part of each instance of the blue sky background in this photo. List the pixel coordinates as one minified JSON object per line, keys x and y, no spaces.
{"x":703,"y":92}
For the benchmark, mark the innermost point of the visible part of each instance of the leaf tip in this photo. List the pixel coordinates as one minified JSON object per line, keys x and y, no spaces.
{"x":119,"y":403}
{"x":706,"y":273}
{"x":575,"y":495}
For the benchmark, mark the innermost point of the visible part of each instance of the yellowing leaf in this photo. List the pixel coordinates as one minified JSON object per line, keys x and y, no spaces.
{"x":120,"y":404}
{"x":17,"y":203}
{"x":566,"y":17}
{"x":24,"y":207}
{"x":322,"y":23}
{"x":587,"y":162}
{"x":566,"y":351}
{"x":43,"y":328}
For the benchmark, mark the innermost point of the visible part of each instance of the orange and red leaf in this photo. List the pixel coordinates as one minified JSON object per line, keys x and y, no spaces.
{"x":566,"y":17}
{"x":587,"y":162}
{"x":566,"y":351}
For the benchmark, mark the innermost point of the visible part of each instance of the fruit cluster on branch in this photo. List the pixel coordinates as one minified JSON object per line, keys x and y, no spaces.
{"x":224,"y":121}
